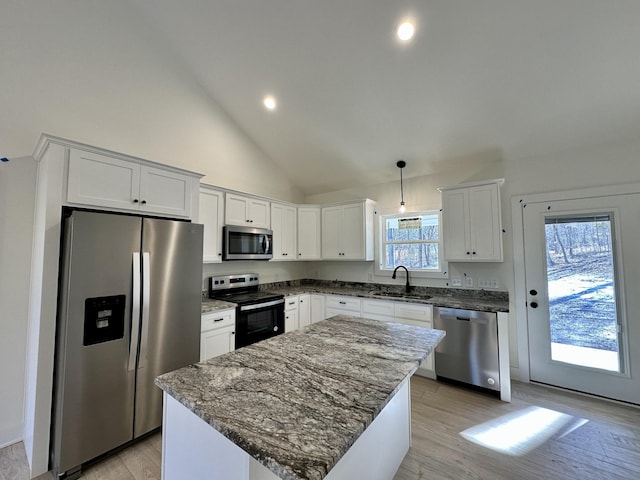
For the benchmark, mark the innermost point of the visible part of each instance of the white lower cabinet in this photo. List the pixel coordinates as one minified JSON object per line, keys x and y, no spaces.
{"x":304,"y":310}
{"x":341,"y":305}
{"x":290,"y":313}
{"x":378,"y":309}
{"x":318,"y":309}
{"x":218,"y":333}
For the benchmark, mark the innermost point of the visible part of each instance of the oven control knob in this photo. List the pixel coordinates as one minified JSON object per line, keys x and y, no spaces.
{"x":275,"y":329}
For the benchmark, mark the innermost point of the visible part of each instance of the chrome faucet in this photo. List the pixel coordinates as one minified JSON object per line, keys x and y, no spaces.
{"x":407,"y":287}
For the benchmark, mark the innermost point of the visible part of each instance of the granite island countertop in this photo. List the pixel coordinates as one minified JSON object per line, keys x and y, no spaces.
{"x":298,"y":401}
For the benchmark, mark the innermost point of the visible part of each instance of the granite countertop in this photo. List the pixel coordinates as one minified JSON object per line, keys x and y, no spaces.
{"x":479,"y":300}
{"x":209,"y":305}
{"x":297,"y":402}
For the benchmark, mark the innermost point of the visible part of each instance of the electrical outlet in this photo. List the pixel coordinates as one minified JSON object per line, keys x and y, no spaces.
{"x":484,"y":283}
{"x":456,"y":282}
{"x":469,"y":282}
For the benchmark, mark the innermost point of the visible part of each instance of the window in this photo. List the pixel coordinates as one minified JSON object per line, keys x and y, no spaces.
{"x":412,"y":240}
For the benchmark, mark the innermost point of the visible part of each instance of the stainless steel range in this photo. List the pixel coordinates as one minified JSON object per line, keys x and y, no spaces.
{"x":259,"y":315}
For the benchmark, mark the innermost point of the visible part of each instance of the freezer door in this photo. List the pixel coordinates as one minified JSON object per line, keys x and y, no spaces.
{"x":172,"y":293}
{"x":94,"y":389}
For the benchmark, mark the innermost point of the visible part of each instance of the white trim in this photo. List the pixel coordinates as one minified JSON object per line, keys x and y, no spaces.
{"x":46,"y":139}
{"x":442,"y":272}
{"x":499,"y":181}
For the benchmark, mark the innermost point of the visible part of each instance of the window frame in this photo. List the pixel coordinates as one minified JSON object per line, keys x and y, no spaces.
{"x":380,"y":244}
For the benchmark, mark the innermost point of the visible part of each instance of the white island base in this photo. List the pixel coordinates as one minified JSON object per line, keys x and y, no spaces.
{"x":193,"y":449}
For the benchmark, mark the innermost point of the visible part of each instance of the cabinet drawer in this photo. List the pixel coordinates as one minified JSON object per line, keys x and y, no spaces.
{"x":414,"y":311}
{"x":222,"y":318}
{"x":378,"y":307}
{"x":343,"y":303}
{"x":291,"y":303}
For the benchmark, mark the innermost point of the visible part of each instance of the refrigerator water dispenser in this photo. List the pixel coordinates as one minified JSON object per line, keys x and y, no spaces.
{"x":103,"y":319}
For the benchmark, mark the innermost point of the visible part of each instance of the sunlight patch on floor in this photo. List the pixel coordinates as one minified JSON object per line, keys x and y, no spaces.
{"x":520,"y":432}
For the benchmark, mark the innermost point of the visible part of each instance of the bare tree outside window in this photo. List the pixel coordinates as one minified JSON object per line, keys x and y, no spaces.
{"x":412,"y":240}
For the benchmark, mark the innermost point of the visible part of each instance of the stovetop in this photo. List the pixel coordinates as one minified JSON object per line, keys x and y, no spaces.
{"x":240,"y":289}
{"x":247,"y":298}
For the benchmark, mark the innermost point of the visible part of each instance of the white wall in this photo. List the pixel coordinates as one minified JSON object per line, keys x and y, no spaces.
{"x":17,"y":196}
{"x":97,"y":73}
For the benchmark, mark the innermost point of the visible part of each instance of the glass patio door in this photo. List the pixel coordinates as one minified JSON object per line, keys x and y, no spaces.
{"x":583,"y":304}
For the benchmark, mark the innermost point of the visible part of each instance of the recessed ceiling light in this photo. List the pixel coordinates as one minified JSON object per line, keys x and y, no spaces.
{"x":406,"y":30}
{"x":269,"y":102}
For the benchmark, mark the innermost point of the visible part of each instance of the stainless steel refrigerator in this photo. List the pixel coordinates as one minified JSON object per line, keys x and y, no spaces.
{"x":129,"y":310}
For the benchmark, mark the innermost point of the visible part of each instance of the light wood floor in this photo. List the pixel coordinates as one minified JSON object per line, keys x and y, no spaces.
{"x":607,"y":447}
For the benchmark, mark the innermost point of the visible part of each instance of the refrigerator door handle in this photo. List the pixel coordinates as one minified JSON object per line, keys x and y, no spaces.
{"x":146,"y":294}
{"x":135,"y":312}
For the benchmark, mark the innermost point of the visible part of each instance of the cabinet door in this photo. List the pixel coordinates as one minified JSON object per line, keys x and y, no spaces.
{"x":290,"y":320}
{"x":485,"y":223}
{"x":103,"y":181}
{"x":304,"y":310}
{"x":352,"y":232}
{"x":210,"y":215}
{"x":283,"y":224}
{"x":455,"y":219}
{"x":378,"y":310}
{"x":318,"y":310}
{"x":217,"y":342}
{"x":332,"y":233}
{"x":309,"y":233}
{"x":164,"y":192}
{"x":259,"y":213}
{"x":236,"y":210}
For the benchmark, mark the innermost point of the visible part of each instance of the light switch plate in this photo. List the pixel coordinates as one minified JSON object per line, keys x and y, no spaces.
{"x":456,"y":282}
{"x":469,"y":281}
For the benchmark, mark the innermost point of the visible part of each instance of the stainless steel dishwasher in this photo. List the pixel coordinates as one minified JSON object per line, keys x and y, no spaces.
{"x":469,"y":351}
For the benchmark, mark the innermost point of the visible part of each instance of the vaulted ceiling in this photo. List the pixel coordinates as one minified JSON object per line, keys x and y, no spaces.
{"x":481,"y":79}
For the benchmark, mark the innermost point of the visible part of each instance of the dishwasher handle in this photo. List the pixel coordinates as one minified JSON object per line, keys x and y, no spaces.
{"x":455,"y":315}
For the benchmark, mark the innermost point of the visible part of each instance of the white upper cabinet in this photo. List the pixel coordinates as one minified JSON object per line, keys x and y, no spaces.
{"x":347,"y":231}
{"x":211,"y":214}
{"x":283,"y":223}
{"x":309,"y":233}
{"x":101,"y":180}
{"x":246,"y":211}
{"x":472,"y":223}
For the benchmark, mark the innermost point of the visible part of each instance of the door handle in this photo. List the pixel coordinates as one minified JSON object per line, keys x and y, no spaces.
{"x":146,"y":301}
{"x":135,"y":312}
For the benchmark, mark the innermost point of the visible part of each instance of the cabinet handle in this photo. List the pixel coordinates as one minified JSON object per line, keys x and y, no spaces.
{"x":233,"y":333}
{"x":473,"y":253}
{"x":135,"y":200}
{"x":292,"y":303}
{"x":468,"y":253}
{"x":343,"y":303}
{"x":219,"y":254}
{"x":143,"y":202}
{"x":218,"y":319}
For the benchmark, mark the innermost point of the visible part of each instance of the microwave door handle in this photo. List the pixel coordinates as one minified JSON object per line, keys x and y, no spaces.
{"x":266,"y":243}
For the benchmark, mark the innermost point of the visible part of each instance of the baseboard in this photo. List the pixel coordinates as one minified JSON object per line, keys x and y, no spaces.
{"x":10,"y":434}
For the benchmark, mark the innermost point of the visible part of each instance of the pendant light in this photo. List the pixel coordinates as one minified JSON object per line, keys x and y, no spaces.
{"x":401,"y":164}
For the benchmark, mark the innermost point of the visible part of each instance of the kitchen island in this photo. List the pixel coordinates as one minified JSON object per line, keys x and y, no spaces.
{"x":328,"y":401}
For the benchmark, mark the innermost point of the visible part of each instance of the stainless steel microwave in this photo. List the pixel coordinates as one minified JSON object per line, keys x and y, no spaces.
{"x":246,"y":243}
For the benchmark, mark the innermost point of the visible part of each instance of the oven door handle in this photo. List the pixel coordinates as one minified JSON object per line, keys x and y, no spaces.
{"x":265,"y":244}
{"x":261,"y":305}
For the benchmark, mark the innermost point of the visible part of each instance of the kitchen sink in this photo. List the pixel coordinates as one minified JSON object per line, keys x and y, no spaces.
{"x":399,"y":295}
